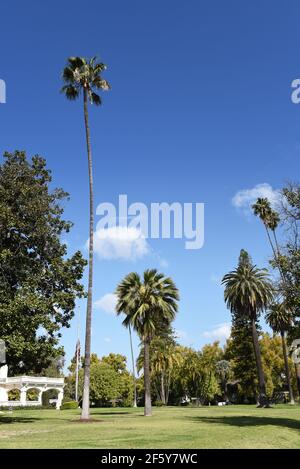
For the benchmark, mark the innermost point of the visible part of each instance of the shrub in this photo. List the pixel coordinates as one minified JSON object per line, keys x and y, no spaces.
{"x":69,"y":405}
{"x":159,"y":403}
{"x":22,"y":407}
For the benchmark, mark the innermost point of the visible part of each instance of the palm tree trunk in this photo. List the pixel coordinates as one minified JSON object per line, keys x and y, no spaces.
{"x":263,"y":401}
{"x":297,"y":371}
{"x":226,"y":391}
{"x":276,"y":242}
{"x":147,"y":409}
{"x":133,"y":368}
{"x":168,"y":387}
{"x":85,"y":413}
{"x":162,"y":384}
{"x":287,"y":369}
{"x":270,"y":241}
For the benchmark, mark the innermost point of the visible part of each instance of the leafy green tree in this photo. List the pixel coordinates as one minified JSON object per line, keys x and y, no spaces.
{"x":280,"y":319}
{"x":287,"y":257}
{"x":198,"y":377}
{"x":83,"y":76}
{"x":240,"y":354}
{"x":55,"y":368}
{"x":111,"y":383}
{"x":273,"y":364}
{"x":149,"y":304}
{"x":116,"y":361}
{"x":164,"y":357}
{"x":212,"y":354}
{"x":39,"y":283}
{"x":223,"y":369}
{"x":104,"y":385}
{"x":248,"y":292}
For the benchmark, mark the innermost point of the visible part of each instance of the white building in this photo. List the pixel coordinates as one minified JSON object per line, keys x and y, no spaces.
{"x":24,"y":383}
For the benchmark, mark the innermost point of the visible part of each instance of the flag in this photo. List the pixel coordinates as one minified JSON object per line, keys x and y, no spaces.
{"x":77,"y":350}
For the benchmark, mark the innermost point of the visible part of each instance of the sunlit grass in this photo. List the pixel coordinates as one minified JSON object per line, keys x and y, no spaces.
{"x":171,"y":427}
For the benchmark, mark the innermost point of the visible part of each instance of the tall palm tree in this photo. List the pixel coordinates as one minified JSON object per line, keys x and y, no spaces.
{"x":248,"y":292}
{"x":262,"y":208}
{"x":83,"y":76}
{"x":149,"y":303}
{"x":280,"y":319}
{"x":270,"y":218}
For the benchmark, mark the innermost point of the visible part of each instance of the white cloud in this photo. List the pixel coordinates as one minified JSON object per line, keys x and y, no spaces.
{"x":245,"y":198}
{"x":107,"y":339}
{"x":107,"y":303}
{"x":120,"y":242}
{"x":162,"y":262}
{"x":220,"y":332}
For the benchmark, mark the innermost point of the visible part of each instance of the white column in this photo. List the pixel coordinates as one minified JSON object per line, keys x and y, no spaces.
{"x":3,"y":395}
{"x":40,"y":396}
{"x":59,"y":398}
{"x":23,"y":396}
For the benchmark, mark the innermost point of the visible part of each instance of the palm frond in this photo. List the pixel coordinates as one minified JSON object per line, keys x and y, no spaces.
{"x":70,"y":91}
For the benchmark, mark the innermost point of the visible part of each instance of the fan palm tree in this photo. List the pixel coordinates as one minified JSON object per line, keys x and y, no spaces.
{"x":248,"y":292}
{"x":83,"y":77}
{"x":149,"y":303}
{"x":280,"y":319}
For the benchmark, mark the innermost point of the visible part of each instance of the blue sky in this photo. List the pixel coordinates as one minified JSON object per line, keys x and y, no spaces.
{"x":200,"y":109}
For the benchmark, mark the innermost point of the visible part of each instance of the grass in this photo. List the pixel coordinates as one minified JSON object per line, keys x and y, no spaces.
{"x":171,"y":427}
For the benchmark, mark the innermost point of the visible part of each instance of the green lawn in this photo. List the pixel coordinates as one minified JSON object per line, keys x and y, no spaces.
{"x":172,"y":427}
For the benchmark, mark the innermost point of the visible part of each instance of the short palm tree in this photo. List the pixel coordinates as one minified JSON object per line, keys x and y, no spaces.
{"x":83,"y":76}
{"x":248,"y":292}
{"x":280,"y":319}
{"x":149,"y":303}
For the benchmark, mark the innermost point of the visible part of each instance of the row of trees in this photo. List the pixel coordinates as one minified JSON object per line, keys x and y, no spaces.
{"x":182,"y":375}
{"x":39,"y":283}
{"x":250,"y":291}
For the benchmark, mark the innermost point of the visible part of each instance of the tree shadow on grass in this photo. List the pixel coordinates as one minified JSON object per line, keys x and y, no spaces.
{"x":250,"y":421}
{"x":25,"y":419}
{"x":110,"y":413}
{"x":12,"y":419}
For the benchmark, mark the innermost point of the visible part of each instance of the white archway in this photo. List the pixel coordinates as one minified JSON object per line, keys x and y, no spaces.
{"x":24,"y":383}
